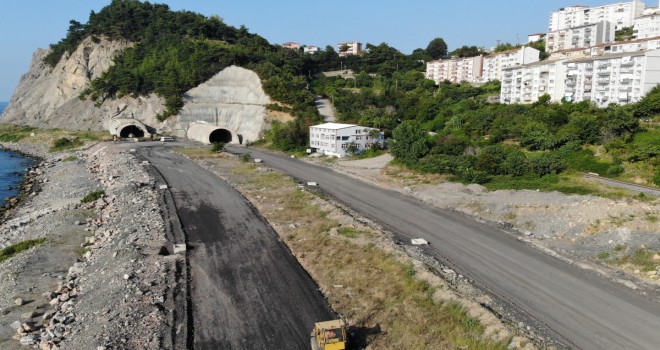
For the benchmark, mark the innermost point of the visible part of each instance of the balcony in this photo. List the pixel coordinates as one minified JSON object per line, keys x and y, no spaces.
{"x":603,"y":72}
{"x":570,"y":82}
{"x":625,"y":88}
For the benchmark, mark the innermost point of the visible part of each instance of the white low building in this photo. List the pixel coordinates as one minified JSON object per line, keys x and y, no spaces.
{"x":335,"y":139}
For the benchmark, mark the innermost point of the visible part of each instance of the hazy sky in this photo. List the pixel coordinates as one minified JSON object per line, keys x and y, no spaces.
{"x":404,"y":24}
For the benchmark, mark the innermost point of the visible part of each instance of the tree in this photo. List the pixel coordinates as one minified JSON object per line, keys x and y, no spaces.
{"x":437,"y":48}
{"x":409,"y":142}
{"x":468,"y":51}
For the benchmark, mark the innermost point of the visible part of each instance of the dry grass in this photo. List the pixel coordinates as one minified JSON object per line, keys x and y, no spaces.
{"x":402,"y":176}
{"x":369,"y":284}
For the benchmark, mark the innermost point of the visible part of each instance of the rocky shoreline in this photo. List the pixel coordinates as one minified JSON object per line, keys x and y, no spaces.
{"x":103,"y":279}
{"x":28,"y":186}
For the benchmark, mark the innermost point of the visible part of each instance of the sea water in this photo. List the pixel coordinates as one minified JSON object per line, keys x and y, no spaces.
{"x":12,"y":169}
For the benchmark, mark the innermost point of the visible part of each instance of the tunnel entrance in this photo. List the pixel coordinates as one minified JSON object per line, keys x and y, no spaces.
{"x":131,"y":131}
{"x":220,"y":135}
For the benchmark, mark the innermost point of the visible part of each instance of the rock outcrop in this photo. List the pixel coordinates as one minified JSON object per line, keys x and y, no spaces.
{"x":48,"y":97}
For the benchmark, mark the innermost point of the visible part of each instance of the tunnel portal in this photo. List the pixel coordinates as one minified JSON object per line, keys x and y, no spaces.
{"x":131,"y":131}
{"x":220,"y":135}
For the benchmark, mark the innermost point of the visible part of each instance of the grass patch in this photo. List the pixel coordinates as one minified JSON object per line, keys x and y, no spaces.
{"x":603,"y":255}
{"x":19,"y":247}
{"x":641,"y":258}
{"x":651,"y":217}
{"x":65,"y":143}
{"x":70,"y":159}
{"x":347,"y":232}
{"x":80,"y":252}
{"x":92,"y":196}
{"x":14,"y":133}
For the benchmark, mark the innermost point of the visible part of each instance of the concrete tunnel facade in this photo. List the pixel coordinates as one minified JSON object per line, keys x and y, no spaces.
{"x":208,"y":134}
{"x":127,"y":128}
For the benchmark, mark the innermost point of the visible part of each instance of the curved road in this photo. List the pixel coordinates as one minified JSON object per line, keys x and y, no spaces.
{"x":578,"y":308}
{"x":248,"y":290}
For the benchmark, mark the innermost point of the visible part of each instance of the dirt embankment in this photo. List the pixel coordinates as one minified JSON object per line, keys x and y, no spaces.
{"x":98,"y":281}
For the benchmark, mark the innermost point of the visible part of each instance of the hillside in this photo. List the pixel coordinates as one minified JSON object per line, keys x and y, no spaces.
{"x":137,"y":60}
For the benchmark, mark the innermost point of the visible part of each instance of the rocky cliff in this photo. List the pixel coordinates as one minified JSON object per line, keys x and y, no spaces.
{"x":48,"y":97}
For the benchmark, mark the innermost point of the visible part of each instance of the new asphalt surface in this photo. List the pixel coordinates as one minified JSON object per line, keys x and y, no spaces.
{"x":248,"y":291}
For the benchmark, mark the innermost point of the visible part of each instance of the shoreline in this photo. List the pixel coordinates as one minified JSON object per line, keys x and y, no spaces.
{"x":29,"y":184}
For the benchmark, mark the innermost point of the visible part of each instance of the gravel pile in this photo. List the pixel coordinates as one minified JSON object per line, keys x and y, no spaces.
{"x":110,"y":284}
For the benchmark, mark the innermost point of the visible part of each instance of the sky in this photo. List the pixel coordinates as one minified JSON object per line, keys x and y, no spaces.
{"x":27,"y":25}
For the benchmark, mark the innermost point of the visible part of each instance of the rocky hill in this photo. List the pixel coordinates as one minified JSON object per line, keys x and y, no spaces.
{"x":49,"y":97}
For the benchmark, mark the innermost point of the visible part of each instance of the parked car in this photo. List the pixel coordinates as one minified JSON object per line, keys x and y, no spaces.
{"x":167,"y":139}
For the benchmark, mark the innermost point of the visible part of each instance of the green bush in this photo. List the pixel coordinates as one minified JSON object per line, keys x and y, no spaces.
{"x":218,"y":147}
{"x":246,"y":157}
{"x":92,"y":196}
{"x":615,"y":170}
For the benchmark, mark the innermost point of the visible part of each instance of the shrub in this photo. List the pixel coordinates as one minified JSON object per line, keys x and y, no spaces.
{"x":246,"y":157}
{"x":92,"y":196}
{"x":615,"y":170}
{"x":218,"y":147}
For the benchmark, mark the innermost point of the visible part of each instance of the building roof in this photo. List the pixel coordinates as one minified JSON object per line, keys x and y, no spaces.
{"x":334,"y":126}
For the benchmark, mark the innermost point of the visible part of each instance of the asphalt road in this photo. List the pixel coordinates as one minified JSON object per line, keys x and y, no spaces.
{"x":248,"y":290}
{"x":578,"y":308}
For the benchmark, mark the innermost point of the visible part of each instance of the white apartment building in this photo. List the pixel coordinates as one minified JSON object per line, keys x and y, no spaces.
{"x":609,"y":48}
{"x":494,"y":64}
{"x":581,"y":36}
{"x":647,"y":26}
{"x":353,"y":48}
{"x":614,"y":78}
{"x":525,"y":84}
{"x":621,"y":14}
{"x":456,"y":70}
{"x":334,"y":138}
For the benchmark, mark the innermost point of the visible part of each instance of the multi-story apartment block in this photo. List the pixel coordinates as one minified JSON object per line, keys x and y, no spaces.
{"x":582,"y":36}
{"x":609,"y":48}
{"x":335,"y":139}
{"x":456,"y":70}
{"x":612,"y":78}
{"x":621,"y":14}
{"x":494,"y":64}
{"x":525,"y":84}
{"x":647,"y":26}
{"x":349,"y":48}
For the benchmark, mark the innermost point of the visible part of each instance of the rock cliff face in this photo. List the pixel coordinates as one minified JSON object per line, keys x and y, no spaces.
{"x":233,"y":99}
{"x":48,"y":97}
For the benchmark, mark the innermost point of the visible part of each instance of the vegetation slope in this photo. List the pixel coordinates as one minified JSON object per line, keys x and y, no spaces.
{"x":449,"y":128}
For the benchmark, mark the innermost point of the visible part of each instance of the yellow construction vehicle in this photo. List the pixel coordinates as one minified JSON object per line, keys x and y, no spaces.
{"x":329,"y":335}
